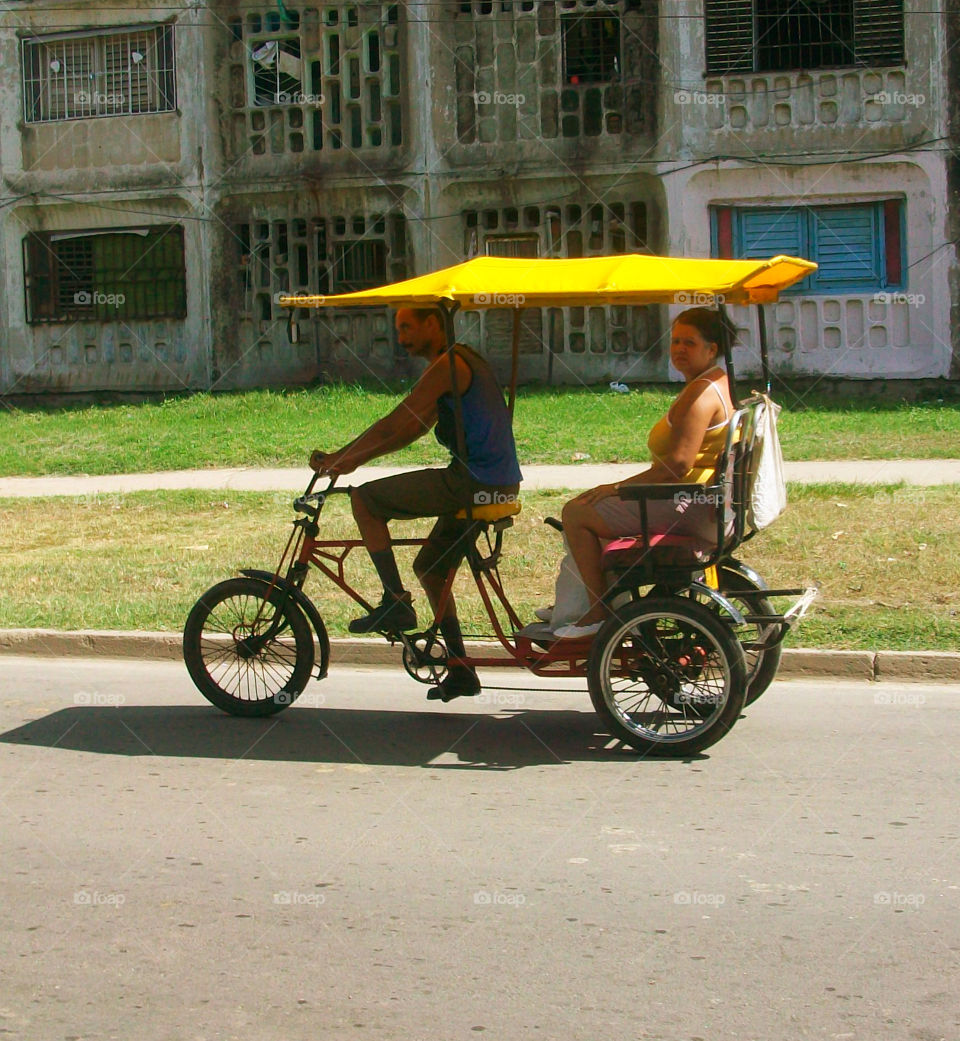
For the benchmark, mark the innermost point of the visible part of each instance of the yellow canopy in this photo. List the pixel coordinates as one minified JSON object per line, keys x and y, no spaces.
{"x":624,"y":279}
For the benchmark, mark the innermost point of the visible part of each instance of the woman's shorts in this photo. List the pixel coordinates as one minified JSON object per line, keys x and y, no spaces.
{"x":664,"y":517}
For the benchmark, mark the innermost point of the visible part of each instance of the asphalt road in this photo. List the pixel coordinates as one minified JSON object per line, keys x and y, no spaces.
{"x":368,"y":865}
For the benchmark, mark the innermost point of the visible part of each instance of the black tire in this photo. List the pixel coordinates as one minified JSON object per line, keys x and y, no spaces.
{"x":240,"y":679}
{"x":667,"y":675}
{"x":763,"y":662}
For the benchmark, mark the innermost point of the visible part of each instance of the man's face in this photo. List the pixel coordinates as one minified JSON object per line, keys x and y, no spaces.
{"x":415,"y":337}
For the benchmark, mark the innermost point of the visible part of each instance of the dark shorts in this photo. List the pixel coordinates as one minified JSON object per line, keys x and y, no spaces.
{"x":432,"y":493}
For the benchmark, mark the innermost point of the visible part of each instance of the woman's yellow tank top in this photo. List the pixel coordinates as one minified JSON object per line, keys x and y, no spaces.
{"x":705,"y":465}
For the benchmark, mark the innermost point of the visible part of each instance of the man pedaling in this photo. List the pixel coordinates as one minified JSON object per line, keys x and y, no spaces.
{"x":489,"y":473}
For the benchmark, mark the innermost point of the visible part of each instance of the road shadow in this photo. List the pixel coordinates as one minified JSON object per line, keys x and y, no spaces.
{"x":332,"y":735}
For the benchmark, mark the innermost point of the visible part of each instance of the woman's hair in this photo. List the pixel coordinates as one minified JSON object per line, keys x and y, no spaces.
{"x":713,"y":326}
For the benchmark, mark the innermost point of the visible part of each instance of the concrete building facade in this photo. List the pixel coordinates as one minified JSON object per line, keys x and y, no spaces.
{"x":167,"y":172}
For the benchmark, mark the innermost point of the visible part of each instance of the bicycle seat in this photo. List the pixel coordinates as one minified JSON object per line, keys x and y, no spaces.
{"x":490,"y":512}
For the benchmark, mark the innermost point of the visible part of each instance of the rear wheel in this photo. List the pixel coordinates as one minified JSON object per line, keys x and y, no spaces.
{"x":667,"y":675}
{"x":248,"y":648}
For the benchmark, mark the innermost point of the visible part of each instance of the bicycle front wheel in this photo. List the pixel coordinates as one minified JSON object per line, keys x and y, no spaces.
{"x":248,"y":648}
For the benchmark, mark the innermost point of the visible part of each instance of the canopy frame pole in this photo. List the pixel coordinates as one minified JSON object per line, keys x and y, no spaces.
{"x":764,"y":346}
{"x":514,"y":362}
{"x":449,"y":308}
{"x":727,"y":348}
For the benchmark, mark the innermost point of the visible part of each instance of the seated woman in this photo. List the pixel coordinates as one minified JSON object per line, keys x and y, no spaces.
{"x":684,"y":447}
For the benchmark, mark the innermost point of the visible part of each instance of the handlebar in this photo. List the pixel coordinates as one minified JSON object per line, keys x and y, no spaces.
{"x":311,"y":502}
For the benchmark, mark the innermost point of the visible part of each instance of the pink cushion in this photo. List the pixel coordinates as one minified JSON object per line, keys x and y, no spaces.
{"x":680,"y":550}
{"x":656,"y":539}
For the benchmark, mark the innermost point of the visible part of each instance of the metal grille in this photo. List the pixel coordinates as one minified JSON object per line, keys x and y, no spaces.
{"x":774,"y":35}
{"x":133,"y":273}
{"x":591,"y":48}
{"x":804,"y":34}
{"x":359,"y":264}
{"x":115,"y":73}
{"x":513,"y":245}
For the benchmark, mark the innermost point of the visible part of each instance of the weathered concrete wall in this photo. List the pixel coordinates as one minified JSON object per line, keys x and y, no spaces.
{"x":76,"y":147}
{"x":788,"y":139}
{"x":118,"y":171}
{"x":862,"y":335}
{"x":444,"y":131}
{"x":100,"y":355}
{"x":953,"y":181}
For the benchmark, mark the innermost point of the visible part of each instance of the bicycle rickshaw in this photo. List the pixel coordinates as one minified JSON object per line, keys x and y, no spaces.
{"x":691,"y":638}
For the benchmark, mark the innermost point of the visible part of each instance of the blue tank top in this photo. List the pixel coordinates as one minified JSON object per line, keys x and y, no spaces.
{"x":488,"y":436}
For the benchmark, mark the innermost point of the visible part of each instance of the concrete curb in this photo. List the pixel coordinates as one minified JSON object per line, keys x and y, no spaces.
{"x":797,"y":663}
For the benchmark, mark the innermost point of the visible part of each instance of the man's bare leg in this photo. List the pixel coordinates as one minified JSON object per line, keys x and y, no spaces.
{"x":461,"y":680}
{"x":396,"y":608}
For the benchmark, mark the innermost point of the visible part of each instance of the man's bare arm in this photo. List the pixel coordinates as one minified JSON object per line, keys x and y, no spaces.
{"x":411,"y":419}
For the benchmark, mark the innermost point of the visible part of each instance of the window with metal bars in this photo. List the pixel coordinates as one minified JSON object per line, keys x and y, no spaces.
{"x":128,"y":273}
{"x":117,"y":72}
{"x":512,"y":245}
{"x":359,"y":264}
{"x":775,"y":35}
{"x":591,"y":48}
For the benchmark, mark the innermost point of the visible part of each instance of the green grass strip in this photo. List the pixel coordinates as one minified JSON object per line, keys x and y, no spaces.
{"x":266,"y":428}
{"x":885,"y":559}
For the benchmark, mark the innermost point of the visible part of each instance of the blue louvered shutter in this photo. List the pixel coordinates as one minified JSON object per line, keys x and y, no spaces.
{"x":846,"y":242}
{"x":765,"y":233}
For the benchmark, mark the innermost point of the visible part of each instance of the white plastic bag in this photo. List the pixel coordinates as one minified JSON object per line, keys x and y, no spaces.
{"x":571,"y":601}
{"x":768,"y":490}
